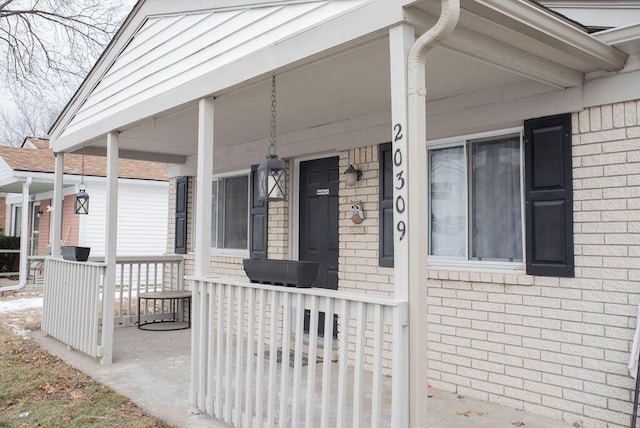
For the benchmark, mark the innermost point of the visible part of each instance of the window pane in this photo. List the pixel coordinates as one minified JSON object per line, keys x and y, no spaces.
{"x":447,"y":185}
{"x":214,"y":214}
{"x":496,"y":222}
{"x":236,"y":191}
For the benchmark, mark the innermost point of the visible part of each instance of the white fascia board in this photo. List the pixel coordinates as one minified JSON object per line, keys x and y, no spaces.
{"x":620,"y":36}
{"x":356,"y":26}
{"x":543,"y":24}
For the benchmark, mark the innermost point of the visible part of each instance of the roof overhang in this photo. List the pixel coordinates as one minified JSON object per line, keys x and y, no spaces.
{"x":16,"y":185}
{"x":518,"y":36}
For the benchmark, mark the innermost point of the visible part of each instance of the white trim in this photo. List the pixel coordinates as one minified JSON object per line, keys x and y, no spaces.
{"x":229,"y":252}
{"x":294,"y":231}
{"x":459,"y":139}
{"x":454,"y":263}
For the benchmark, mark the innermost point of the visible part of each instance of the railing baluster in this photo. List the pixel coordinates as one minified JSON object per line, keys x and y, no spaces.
{"x":297,"y":361}
{"x":202,"y":340}
{"x":342,"y":364}
{"x":273,"y":349}
{"x":376,"y":398}
{"x":311,"y":361}
{"x":219,"y":347}
{"x":359,"y":364}
{"x":248,"y":390}
{"x":285,"y":356}
{"x":260,"y":357}
{"x":208,"y":291}
{"x":326,"y":362}
{"x":227,"y":393}
{"x":195,"y":346}
{"x":239,"y":355}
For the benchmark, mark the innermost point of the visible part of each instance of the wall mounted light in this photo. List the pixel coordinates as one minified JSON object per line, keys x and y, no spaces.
{"x":352,"y":175}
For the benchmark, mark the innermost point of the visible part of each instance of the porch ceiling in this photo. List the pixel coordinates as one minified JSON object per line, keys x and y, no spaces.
{"x":147,"y":94}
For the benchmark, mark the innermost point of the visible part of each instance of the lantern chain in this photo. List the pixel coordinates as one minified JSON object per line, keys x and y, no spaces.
{"x":272,"y":133}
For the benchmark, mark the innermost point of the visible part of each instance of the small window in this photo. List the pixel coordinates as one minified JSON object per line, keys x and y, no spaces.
{"x":230,"y":213}
{"x":475,"y":199}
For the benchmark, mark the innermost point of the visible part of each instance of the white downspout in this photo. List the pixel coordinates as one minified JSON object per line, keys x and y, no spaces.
{"x":417,"y":207}
{"x":24,"y":241}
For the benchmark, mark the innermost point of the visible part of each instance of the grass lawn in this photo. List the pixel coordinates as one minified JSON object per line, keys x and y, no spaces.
{"x":39,"y":390}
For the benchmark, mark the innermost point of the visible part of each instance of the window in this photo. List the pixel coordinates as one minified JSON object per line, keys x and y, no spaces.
{"x":475,"y":199}
{"x":230,"y":213}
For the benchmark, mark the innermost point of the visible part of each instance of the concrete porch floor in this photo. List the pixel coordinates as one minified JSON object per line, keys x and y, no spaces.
{"x":152,"y":368}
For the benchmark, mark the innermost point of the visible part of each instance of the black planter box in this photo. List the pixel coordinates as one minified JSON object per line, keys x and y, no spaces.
{"x":77,"y":254}
{"x":291,"y":273}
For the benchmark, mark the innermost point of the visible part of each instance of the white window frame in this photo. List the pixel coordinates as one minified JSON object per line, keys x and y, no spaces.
{"x":465,"y":263}
{"x":239,"y":252}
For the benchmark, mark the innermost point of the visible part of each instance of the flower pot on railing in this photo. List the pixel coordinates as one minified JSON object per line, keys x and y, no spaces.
{"x":290,"y":273}
{"x":77,"y":254}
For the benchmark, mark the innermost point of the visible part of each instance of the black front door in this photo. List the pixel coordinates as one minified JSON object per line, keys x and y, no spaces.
{"x":319,"y":223}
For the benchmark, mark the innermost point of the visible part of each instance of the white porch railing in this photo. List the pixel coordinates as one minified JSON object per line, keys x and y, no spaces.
{"x":239,"y":326}
{"x":136,"y":274}
{"x":73,"y":303}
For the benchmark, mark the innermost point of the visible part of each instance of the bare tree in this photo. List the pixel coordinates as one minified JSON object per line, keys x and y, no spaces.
{"x":46,"y":49}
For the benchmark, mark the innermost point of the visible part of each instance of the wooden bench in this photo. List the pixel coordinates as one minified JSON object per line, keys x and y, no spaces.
{"x":177,"y":300}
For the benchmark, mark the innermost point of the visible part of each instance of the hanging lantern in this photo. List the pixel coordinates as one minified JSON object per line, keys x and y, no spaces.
{"x":81,"y":202}
{"x":272,"y":172}
{"x":81,"y":199}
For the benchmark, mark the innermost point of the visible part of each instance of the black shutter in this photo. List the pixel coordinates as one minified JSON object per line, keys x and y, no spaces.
{"x":258,"y":228}
{"x":549,"y":196}
{"x":182,"y":184}
{"x":385,"y":199}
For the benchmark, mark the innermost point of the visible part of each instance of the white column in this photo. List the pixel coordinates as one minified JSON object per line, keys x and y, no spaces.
{"x":401,"y":38}
{"x":111,"y":241}
{"x":56,"y":215}
{"x":203,"y":187}
{"x":24,"y":232}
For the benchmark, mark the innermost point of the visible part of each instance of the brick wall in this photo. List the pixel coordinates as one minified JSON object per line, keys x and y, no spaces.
{"x":556,"y":346}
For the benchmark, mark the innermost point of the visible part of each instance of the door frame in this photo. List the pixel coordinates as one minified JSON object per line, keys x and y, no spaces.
{"x":294,"y":208}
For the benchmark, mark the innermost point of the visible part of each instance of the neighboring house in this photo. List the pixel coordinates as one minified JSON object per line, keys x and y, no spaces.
{"x":504,"y":218}
{"x":142,"y":208}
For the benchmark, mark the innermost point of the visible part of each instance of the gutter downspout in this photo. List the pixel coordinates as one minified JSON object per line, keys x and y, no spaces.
{"x":24,"y":241}
{"x":417,"y":208}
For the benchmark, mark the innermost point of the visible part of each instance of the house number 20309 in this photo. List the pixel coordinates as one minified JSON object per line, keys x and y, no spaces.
{"x":400,"y":204}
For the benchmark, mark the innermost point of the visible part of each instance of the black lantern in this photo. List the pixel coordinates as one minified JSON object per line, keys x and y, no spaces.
{"x":272,"y":172}
{"x":81,"y":202}
{"x":81,"y":199}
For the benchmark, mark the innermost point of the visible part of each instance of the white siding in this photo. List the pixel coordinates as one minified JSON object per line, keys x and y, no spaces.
{"x":169,"y":51}
{"x":142,"y":219}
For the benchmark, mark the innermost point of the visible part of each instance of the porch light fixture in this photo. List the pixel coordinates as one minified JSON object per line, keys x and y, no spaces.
{"x":81,"y":200}
{"x":352,"y":175}
{"x":272,"y":172}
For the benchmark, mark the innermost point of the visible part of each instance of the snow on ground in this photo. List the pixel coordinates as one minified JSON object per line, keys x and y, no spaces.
{"x":17,"y":305}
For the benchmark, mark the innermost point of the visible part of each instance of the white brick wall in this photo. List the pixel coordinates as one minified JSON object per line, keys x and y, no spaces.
{"x":556,"y":346}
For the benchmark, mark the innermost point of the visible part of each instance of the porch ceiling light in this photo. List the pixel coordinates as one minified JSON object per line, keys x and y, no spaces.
{"x":81,"y":199}
{"x":272,"y":172}
{"x":352,"y":175}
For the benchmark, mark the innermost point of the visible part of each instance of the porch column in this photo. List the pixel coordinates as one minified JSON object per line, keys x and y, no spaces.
{"x":24,"y":232}
{"x":109,"y":288}
{"x":401,"y":38}
{"x":55,"y":231}
{"x":202,"y":266}
{"x":203,"y":187}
